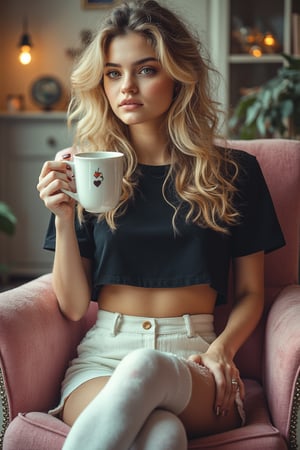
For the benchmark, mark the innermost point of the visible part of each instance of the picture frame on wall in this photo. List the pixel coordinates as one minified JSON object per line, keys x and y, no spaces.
{"x":98,"y":4}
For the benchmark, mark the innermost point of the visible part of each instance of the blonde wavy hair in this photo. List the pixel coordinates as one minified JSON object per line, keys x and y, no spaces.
{"x":203,"y":174}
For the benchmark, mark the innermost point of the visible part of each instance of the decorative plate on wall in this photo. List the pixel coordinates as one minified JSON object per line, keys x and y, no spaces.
{"x":46,"y":91}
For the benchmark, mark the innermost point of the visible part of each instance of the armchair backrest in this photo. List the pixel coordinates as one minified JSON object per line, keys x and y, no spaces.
{"x":280,"y":162}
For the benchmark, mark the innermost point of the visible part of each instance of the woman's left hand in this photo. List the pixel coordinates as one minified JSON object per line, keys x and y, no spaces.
{"x":226,"y":375}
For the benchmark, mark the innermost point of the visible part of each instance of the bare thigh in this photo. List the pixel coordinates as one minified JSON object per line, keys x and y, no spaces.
{"x":79,"y":399}
{"x":199,"y":417}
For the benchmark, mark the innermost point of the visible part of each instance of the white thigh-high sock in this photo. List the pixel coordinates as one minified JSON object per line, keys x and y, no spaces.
{"x":162,"y":431}
{"x":144,"y":380}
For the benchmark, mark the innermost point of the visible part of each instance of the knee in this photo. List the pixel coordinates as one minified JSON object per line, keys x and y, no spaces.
{"x":174,"y":426}
{"x":177,"y":436}
{"x":148,"y":366}
{"x":143,"y":354}
{"x":144,"y":359}
{"x":170,"y":429}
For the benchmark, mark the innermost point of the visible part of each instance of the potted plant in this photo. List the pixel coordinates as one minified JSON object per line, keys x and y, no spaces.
{"x":273,"y":109}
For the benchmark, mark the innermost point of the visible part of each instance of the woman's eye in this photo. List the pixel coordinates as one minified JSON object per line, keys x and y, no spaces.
{"x":113,"y":74}
{"x":148,"y":71}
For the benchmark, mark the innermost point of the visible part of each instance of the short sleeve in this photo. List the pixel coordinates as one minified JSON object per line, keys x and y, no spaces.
{"x":258,"y":228}
{"x":84,"y":233}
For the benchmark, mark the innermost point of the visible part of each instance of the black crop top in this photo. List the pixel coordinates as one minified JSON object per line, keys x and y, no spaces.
{"x":144,"y":251}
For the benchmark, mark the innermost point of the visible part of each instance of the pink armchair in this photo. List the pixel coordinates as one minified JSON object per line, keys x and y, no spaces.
{"x":36,"y":341}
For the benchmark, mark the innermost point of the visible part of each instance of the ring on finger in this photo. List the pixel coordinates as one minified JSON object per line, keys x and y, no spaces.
{"x":234,"y":382}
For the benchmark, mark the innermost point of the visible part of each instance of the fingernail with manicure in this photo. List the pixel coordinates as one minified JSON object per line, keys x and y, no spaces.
{"x":66,"y":156}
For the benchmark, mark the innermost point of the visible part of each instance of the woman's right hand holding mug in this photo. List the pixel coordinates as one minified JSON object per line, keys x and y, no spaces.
{"x":54,"y":176}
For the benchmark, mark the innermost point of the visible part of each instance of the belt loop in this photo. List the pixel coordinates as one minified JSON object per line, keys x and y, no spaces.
{"x":189,"y":326}
{"x":115,"y":324}
{"x":155,"y":332}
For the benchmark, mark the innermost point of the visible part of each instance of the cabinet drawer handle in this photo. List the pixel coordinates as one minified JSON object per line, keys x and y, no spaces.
{"x":52,"y":142}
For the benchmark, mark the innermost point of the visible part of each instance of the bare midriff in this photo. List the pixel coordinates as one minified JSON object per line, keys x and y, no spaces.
{"x":157,"y":302}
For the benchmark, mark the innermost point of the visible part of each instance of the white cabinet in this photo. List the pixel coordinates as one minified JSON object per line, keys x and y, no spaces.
{"x":27,"y":140}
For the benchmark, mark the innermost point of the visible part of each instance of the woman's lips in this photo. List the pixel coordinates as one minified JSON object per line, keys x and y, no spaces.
{"x":130,"y":105}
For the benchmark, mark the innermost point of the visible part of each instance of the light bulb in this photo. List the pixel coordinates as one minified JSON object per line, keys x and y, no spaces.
{"x":25,"y":45}
{"x":269,"y":40}
{"x":25,"y":56}
{"x":255,"y":50}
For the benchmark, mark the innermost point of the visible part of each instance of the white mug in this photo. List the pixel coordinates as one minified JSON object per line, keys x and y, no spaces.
{"x":98,"y":180}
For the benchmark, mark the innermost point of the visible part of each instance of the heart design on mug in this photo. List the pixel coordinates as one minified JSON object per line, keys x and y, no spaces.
{"x":98,"y":174}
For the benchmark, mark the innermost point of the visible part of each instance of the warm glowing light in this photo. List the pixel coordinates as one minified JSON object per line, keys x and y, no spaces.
{"x":25,"y":45}
{"x":269,"y":40}
{"x":25,"y":56}
{"x":250,"y":38}
{"x":255,"y":51}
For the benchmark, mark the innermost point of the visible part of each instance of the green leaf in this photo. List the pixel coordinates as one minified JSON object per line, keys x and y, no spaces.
{"x":252,"y":113}
{"x":287,"y":108}
{"x":261,"y":124}
{"x":233,"y":121}
{"x":7,"y":219}
{"x":243,"y":105}
{"x":279,"y":89}
{"x":248,"y":132}
{"x":266,"y":99}
{"x":294,"y":63}
{"x":297,"y":90}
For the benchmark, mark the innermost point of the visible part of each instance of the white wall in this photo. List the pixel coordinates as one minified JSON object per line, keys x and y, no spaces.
{"x":54,"y":26}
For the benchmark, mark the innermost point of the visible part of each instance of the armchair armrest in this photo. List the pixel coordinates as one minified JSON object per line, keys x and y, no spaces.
{"x":282,"y":363}
{"x":36,"y":343}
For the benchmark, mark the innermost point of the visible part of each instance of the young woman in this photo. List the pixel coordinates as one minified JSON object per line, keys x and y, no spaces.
{"x":152,"y":373}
